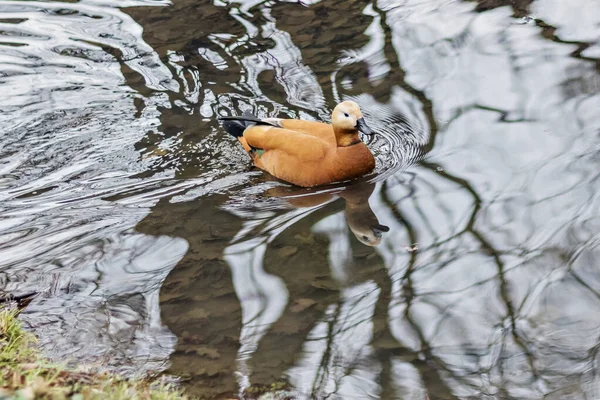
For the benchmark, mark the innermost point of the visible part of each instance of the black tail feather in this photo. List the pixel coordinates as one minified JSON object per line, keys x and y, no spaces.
{"x":234,"y":128}
{"x":236,"y":125}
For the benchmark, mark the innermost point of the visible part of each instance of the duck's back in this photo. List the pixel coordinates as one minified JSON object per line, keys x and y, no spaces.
{"x":318,"y":129}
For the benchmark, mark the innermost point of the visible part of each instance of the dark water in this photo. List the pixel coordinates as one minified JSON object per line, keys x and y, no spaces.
{"x":153,"y":246}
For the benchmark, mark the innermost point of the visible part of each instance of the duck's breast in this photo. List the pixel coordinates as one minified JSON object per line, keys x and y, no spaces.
{"x":338,"y":164}
{"x":354,"y":161}
{"x":293,"y":169}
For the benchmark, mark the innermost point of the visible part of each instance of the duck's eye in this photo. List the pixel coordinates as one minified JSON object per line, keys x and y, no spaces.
{"x":346,"y":115}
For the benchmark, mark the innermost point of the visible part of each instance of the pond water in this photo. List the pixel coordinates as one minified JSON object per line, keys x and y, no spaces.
{"x":151,"y":245}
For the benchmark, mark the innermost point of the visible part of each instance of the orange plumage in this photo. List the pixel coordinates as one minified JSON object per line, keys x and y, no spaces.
{"x":307,"y":153}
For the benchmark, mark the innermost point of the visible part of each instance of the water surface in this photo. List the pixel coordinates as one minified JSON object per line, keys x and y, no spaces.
{"x":153,"y":246}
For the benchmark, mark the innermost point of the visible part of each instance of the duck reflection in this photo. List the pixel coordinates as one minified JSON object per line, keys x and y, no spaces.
{"x":359,"y":216}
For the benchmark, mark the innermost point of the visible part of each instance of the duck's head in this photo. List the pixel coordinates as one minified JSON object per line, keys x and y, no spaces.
{"x":347,"y":121}
{"x":369,"y":235}
{"x":361,"y":219}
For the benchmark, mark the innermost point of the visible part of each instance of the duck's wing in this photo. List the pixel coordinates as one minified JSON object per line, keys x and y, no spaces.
{"x":236,"y":125}
{"x":304,"y":147}
{"x":317,"y":129}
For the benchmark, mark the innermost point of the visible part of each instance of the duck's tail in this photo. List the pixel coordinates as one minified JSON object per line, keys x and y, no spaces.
{"x":236,"y":125}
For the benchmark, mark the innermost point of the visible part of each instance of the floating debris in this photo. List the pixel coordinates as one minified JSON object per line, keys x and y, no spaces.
{"x":411,"y":248}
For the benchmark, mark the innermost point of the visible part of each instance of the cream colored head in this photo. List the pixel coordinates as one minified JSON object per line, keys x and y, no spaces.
{"x":345,"y":115}
{"x":347,"y":118}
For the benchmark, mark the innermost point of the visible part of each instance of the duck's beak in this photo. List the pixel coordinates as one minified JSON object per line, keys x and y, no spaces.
{"x":363,"y":128}
{"x":379,"y":230}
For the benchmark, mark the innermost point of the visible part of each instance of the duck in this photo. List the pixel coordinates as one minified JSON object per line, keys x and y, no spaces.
{"x":306,"y":153}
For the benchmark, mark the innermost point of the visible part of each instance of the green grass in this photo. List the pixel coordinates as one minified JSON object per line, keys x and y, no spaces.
{"x":25,"y":374}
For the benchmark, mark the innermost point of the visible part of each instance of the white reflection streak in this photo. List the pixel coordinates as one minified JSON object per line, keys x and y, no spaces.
{"x":190,"y":92}
{"x":285,"y":60}
{"x":372,"y":53}
{"x":340,"y":253}
{"x":262,"y":296}
{"x":141,"y":57}
{"x":274,"y":225}
{"x":337,"y":353}
{"x":135,"y":52}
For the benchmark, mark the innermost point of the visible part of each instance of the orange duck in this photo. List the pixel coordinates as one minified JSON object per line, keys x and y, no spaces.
{"x":307,"y":153}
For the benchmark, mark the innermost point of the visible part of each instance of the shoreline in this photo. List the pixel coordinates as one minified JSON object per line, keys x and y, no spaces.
{"x":26,"y":374}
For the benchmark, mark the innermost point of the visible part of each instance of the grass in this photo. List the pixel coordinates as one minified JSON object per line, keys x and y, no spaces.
{"x":25,"y":374}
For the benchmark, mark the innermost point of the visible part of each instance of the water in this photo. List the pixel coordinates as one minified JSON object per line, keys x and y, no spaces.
{"x":154,"y":247}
